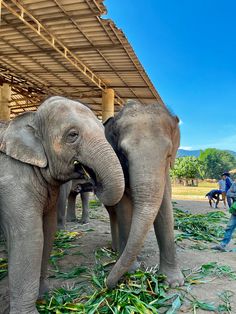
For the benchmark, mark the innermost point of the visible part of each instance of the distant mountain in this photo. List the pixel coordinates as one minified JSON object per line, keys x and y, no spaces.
{"x":232,"y":152}
{"x":196,"y":153}
{"x":184,"y":152}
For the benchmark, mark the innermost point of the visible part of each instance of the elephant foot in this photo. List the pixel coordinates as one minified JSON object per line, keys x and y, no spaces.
{"x":43,"y":288}
{"x":174,"y":276}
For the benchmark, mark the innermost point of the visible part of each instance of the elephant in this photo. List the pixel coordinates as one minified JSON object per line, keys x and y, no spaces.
{"x":145,"y":139}
{"x":67,"y":202}
{"x":39,"y":151}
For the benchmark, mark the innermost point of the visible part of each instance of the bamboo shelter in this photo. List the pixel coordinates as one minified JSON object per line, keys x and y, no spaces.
{"x":66,"y":47}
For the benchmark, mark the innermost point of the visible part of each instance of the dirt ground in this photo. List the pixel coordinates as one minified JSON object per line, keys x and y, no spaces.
{"x":96,"y":234}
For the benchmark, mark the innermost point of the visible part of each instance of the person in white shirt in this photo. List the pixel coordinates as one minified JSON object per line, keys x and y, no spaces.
{"x":221,"y":184}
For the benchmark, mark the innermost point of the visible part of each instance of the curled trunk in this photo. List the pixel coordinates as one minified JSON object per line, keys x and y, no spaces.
{"x":101,"y":158}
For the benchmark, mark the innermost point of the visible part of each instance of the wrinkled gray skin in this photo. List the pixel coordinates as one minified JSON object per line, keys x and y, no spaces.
{"x":145,"y":138}
{"x":66,"y":205}
{"x":39,"y":152}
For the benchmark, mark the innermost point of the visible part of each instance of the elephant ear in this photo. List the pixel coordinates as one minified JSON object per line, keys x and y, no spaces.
{"x":175,"y":142}
{"x":20,"y":141}
{"x":110,"y":133}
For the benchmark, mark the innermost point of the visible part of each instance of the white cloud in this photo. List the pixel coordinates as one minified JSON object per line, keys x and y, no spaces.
{"x":180,"y":122}
{"x":186,"y":147}
{"x":224,"y":143}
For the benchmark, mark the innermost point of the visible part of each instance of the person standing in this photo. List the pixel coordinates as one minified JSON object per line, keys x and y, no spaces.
{"x":231,"y":193}
{"x":231,"y":226}
{"x":228,"y":183}
{"x":221,"y":184}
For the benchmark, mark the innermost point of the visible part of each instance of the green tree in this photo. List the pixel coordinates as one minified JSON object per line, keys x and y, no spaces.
{"x":188,"y":167}
{"x":215,"y":162}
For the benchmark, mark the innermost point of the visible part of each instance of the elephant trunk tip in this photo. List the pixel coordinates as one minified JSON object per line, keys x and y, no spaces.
{"x":111,"y":282}
{"x":113,"y":192}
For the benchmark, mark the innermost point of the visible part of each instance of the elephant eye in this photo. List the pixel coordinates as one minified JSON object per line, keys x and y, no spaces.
{"x":72,"y":136}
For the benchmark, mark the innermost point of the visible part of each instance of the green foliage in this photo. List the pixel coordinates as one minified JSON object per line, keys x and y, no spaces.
{"x":3,"y":268}
{"x":199,"y":226}
{"x":211,"y":270}
{"x":94,"y":203}
{"x":62,"y":243}
{"x":73,"y":273}
{"x":64,"y":238}
{"x":142,"y":292}
{"x":215,"y":162}
{"x":225,"y":297}
{"x":186,"y":168}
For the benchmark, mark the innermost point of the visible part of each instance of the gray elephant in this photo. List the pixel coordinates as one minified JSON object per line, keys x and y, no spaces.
{"x":39,"y":152}
{"x":145,"y":138}
{"x":66,"y":205}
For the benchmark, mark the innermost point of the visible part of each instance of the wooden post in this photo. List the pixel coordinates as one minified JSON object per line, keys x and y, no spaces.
{"x":5,"y":97}
{"x":108,"y":97}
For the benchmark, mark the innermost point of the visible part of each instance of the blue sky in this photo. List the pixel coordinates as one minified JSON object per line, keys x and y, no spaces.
{"x":188,"y":49}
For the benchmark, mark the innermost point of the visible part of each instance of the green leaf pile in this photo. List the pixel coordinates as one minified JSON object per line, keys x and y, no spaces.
{"x":203,"y":227}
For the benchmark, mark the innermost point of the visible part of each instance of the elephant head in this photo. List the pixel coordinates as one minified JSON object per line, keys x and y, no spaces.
{"x":146,"y":139}
{"x":66,"y":141}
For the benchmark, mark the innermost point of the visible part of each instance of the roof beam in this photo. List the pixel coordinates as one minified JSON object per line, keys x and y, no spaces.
{"x":82,"y":86}
{"x":72,"y":71}
{"x":74,"y":50}
{"x":21,"y":13}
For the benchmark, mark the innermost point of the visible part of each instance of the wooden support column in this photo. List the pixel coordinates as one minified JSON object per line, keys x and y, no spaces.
{"x":5,"y":97}
{"x":108,"y":97}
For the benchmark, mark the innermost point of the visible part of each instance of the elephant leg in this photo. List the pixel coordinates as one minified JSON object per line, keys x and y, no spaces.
{"x":114,"y":227}
{"x":61,"y":213}
{"x":124,"y":211}
{"x":24,"y":235}
{"x":164,"y":229}
{"x":71,"y":207}
{"x":49,"y":230}
{"x":61,"y":205}
{"x":85,"y":207}
{"x":120,"y":221}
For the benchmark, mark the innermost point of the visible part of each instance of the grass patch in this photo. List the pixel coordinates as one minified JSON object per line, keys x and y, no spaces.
{"x":3,"y":267}
{"x":205,"y":227}
{"x":64,"y":238}
{"x":211,"y":270}
{"x":61,"y":245}
{"x":73,"y":273}
{"x":192,"y":192}
{"x":142,"y":292}
{"x":95,"y":203}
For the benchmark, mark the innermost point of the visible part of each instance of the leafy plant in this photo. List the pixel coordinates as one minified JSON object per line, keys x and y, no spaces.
{"x":3,"y":267}
{"x":93,"y":204}
{"x":225,"y":297}
{"x":73,"y":273}
{"x":142,"y":292}
{"x":64,"y":238}
{"x":199,"y":226}
{"x":212,"y":270}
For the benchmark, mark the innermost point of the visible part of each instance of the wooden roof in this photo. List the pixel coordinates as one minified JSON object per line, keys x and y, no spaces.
{"x":65,"y":47}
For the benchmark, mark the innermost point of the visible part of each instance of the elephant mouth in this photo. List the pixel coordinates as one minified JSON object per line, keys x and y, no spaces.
{"x":85,"y":173}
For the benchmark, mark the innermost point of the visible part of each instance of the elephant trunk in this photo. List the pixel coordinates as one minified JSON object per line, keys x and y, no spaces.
{"x":147,"y":194}
{"x":101,"y":158}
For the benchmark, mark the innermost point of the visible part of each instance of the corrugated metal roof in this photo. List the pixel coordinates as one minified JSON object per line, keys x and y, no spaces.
{"x":65,"y":47}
